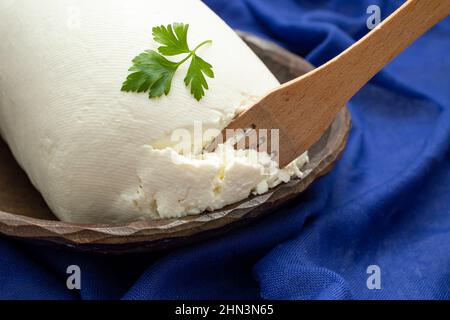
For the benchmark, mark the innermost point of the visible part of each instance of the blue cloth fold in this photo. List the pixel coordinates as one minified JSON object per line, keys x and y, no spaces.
{"x":386,"y":203}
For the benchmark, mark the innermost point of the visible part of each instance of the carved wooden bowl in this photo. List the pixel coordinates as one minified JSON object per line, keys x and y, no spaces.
{"x":24,"y":214}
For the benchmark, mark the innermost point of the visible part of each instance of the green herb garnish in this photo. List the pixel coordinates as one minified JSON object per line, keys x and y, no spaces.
{"x":153,"y":73}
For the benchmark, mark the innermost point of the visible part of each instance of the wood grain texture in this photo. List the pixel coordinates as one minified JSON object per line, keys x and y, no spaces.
{"x":24,"y":215}
{"x":304,"y":108}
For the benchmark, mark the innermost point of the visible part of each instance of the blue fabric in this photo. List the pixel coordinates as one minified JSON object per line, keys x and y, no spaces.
{"x":386,"y":203}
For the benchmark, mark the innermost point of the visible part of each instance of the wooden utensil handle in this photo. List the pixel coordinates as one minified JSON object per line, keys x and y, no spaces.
{"x":304,"y":108}
{"x":358,"y":64}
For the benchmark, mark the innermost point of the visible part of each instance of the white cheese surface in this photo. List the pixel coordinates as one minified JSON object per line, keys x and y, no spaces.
{"x":99,"y":155}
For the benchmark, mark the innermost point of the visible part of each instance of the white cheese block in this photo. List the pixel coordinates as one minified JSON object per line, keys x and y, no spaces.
{"x":99,"y":155}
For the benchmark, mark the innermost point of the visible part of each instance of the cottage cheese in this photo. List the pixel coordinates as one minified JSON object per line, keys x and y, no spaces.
{"x":99,"y":155}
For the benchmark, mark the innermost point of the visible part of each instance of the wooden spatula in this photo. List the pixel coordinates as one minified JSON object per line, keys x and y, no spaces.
{"x":304,"y":108}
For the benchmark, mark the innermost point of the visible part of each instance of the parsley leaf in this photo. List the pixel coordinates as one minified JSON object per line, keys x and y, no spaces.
{"x":175,"y":43}
{"x":196,"y":76}
{"x":152,"y":72}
